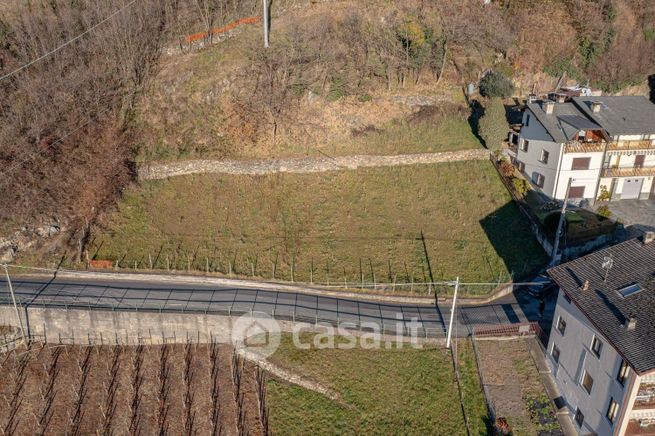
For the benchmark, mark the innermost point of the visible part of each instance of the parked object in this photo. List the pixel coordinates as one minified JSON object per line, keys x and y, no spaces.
{"x":540,"y":286}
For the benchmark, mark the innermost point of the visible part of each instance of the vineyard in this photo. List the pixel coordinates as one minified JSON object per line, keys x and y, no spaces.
{"x":166,"y":389}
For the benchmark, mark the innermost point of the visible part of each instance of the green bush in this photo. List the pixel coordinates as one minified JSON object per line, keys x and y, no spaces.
{"x":337,"y":89}
{"x":493,"y":127}
{"x":364,"y":98}
{"x":496,"y":84}
{"x":604,"y":211}
{"x":604,"y":194}
{"x":521,"y":186}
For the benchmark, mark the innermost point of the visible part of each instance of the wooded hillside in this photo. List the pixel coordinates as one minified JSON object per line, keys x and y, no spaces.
{"x":69,"y":124}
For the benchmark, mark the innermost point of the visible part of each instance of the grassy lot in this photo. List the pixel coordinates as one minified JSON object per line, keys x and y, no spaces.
{"x":392,"y":391}
{"x":346,"y":225}
{"x":474,"y":405}
{"x":447,"y":134}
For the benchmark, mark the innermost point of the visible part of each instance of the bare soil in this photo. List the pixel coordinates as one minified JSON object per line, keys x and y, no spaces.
{"x":81,"y":396}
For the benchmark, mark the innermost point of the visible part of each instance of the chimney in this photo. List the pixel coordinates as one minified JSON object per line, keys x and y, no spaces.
{"x":649,"y":237}
{"x":548,"y":107}
{"x":532,"y":98}
{"x":585,"y":287}
{"x":630,"y":323}
{"x":595,"y":106}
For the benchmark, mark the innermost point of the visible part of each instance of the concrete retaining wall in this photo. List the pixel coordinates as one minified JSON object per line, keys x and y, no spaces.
{"x":82,"y":326}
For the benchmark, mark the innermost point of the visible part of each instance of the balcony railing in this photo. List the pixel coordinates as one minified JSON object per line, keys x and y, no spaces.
{"x":645,"y":397}
{"x":590,"y":147}
{"x":628,"y":172}
{"x":631,"y":145}
{"x":583,"y":147}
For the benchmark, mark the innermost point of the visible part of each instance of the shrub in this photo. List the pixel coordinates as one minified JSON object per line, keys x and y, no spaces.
{"x":604,"y":211}
{"x":364,"y":98}
{"x":496,"y":84}
{"x":493,"y":126}
{"x":506,"y":168}
{"x":337,"y":89}
{"x":521,"y":186}
{"x":604,"y":194}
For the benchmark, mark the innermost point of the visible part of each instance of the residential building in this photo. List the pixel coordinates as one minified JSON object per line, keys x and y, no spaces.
{"x":604,"y":145}
{"x":602,"y":344}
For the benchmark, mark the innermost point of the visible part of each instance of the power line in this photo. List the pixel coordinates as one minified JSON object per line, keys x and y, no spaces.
{"x":67,"y":43}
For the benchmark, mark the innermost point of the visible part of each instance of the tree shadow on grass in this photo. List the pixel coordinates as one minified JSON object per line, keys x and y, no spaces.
{"x":509,"y":232}
{"x":474,"y":119}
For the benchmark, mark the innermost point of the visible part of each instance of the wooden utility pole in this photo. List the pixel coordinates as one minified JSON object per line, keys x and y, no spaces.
{"x":562,"y":217}
{"x":265,"y":23}
{"x":13,"y":299}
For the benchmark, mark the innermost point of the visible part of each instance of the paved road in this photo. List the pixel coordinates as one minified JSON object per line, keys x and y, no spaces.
{"x":194,"y":298}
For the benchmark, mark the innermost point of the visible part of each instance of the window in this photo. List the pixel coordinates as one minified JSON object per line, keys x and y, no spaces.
{"x":629,"y":290}
{"x":555,"y":353}
{"x":587,"y":382}
{"x":576,"y":192}
{"x":596,"y":346}
{"x":622,"y":376}
{"x":612,"y":410}
{"x":561,"y":325}
{"x":538,"y":179}
{"x":527,"y":120}
{"x":544,"y":157}
{"x":580,"y":163}
{"x":520,"y":165}
{"x":579,"y":417}
{"x":524,"y":144}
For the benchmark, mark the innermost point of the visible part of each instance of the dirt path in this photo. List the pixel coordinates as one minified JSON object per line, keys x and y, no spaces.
{"x":302,"y":165}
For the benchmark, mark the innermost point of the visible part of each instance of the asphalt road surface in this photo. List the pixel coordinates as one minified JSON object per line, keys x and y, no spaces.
{"x":122,"y":295}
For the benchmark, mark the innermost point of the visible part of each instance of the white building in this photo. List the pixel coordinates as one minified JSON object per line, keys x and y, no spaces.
{"x":602,"y":344}
{"x":603,"y":144}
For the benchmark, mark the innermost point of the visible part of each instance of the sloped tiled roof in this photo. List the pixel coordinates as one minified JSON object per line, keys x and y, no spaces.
{"x":606,"y":309}
{"x":565,"y":121}
{"x":621,"y":115}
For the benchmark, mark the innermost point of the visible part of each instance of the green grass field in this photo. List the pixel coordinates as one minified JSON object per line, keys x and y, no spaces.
{"x":391,"y":391}
{"x":347,"y":225}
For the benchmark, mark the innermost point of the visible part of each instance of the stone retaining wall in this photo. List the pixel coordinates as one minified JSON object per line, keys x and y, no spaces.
{"x":302,"y":165}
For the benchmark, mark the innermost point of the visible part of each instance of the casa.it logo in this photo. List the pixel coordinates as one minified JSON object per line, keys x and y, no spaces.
{"x":257,"y":333}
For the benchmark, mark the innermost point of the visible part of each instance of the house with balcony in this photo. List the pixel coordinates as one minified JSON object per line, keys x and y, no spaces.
{"x":601,"y":349}
{"x":605,"y":147}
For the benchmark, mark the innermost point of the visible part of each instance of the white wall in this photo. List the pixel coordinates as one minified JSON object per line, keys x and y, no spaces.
{"x":539,"y":140}
{"x":587,"y":178}
{"x":576,"y":357}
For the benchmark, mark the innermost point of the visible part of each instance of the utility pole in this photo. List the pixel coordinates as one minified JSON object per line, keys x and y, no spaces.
{"x":452,"y":314}
{"x":562,"y":217}
{"x":265,"y":23}
{"x":13,"y":298}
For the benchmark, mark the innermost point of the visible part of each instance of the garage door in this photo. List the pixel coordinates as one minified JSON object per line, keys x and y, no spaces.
{"x":631,"y":188}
